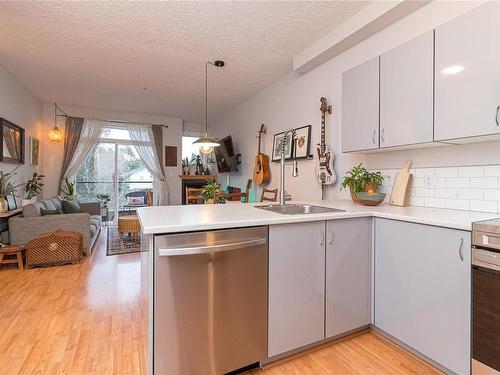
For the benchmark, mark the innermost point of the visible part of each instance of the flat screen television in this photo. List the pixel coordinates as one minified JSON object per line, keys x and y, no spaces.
{"x":225,"y":156}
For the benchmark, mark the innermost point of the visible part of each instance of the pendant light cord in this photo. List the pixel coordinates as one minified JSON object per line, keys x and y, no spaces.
{"x":206,"y":98}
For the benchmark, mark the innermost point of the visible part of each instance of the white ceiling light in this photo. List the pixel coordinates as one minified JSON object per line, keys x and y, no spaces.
{"x":207,"y":144}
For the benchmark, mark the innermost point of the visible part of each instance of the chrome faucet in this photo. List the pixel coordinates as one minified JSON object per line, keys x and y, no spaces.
{"x":295,"y":171}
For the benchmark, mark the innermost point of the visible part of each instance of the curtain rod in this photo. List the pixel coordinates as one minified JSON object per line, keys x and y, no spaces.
{"x":114,"y":121}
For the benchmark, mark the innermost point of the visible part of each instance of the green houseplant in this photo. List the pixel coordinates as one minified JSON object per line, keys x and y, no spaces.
{"x":186,"y":165}
{"x":33,"y":188}
{"x":68,"y":188}
{"x":7,"y":188}
{"x":359,"y":179}
{"x":210,"y":191}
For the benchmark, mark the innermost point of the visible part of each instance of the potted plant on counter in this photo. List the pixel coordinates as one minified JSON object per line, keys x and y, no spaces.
{"x":359,"y":179}
{"x":68,"y":188}
{"x":32,"y":189}
{"x":210,"y":191}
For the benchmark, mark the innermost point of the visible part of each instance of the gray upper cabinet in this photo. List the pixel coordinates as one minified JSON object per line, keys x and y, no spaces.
{"x":422,"y":289}
{"x":348,"y":271}
{"x":296,"y":286}
{"x":360,"y":107}
{"x":468,"y":75}
{"x":406,"y":93}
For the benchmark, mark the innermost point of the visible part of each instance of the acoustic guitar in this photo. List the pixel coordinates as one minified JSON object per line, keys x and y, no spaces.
{"x":325,"y":173}
{"x":261,"y":169}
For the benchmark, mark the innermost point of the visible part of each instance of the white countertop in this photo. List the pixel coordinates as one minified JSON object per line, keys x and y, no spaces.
{"x":175,"y":219}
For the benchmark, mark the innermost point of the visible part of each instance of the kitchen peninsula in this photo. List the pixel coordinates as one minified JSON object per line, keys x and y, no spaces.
{"x":234,"y":285}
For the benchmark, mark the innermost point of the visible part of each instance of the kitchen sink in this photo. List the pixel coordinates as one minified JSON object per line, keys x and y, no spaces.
{"x":298,"y":209}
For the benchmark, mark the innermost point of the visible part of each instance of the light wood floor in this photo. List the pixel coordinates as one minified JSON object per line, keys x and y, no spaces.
{"x":86,"y":319}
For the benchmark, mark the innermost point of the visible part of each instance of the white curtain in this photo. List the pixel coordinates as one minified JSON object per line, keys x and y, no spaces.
{"x":142,"y":139}
{"x":91,"y":132}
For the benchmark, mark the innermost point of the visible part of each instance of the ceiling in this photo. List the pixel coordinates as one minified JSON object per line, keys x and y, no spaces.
{"x":148,"y":57}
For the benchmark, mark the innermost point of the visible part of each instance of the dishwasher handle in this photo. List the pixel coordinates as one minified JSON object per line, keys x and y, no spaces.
{"x":174,"y":251}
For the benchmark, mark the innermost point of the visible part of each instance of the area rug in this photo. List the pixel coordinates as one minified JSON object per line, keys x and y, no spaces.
{"x":122,"y":244}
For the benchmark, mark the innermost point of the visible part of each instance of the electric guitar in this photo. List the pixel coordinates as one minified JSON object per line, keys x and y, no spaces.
{"x":261,"y":169}
{"x":324,"y":167}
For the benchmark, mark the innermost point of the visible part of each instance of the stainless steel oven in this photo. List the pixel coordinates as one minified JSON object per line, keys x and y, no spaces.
{"x":486,"y":297}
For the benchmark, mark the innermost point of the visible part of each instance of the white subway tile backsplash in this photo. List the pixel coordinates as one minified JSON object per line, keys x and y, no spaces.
{"x":492,"y":195}
{"x":457,"y":204}
{"x":476,"y":194}
{"x":446,"y":193}
{"x":425,"y":172}
{"x":423,"y":192}
{"x":458,"y":182}
{"x":447,"y":172}
{"x":470,"y":171}
{"x":484,"y":182}
{"x":484,"y":206}
{"x":492,"y":170}
{"x":461,"y":188}
{"x":435,"y":202}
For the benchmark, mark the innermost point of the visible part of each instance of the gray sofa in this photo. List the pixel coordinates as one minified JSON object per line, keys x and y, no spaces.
{"x":31,"y":223}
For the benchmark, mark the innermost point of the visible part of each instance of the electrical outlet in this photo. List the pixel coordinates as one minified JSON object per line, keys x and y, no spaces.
{"x":430,"y":183}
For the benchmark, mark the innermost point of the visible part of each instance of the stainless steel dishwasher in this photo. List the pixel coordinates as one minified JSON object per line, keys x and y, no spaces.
{"x":210,"y":309}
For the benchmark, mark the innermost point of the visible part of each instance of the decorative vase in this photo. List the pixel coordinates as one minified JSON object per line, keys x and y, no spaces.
{"x":73,"y":197}
{"x":209,"y":201}
{"x":4,"y":207}
{"x":186,"y":171}
{"x":25,"y":202}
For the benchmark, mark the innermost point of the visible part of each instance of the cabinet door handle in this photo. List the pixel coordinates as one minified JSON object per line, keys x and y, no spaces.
{"x":373,"y":137}
{"x":330,"y":241}
{"x":496,"y":115}
{"x":322,"y":237}
{"x":383,"y":135}
{"x":460,"y":249}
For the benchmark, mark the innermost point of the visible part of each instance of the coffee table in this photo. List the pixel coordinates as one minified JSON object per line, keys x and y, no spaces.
{"x":129,"y":224}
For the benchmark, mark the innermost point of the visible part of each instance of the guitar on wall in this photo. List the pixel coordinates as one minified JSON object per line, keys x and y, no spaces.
{"x":324,"y":167}
{"x":261,"y":169}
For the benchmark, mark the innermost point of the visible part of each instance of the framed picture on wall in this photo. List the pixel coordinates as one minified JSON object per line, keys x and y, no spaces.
{"x":302,"y":145}
{"x":277,"y":145}
{"x":34,"y":150}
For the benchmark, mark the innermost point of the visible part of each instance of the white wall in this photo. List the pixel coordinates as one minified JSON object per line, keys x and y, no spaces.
{"x":52,"y":156}
{"x":24,"y":109}
{"x":293,"y":101}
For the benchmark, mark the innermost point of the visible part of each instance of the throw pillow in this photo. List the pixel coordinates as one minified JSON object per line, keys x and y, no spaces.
{"x":135,"y":201}
{"x":45,"y":212}
{"x":70,"y":207}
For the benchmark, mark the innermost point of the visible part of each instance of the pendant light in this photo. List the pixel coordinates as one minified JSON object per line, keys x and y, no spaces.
{"x":207,"y":144}
{"x":55,"y":134}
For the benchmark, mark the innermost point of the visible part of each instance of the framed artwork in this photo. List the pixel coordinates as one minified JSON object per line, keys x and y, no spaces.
{"x":277,"y":145}
{"x":11,"y":202}
{"x":34,"y":150}
{"x":302,"y":146}
{"x":170,"y":156}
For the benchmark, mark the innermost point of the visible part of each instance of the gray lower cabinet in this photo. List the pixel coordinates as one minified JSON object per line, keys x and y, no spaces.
{"x":422,"y":289}
{"x":348,"y":276}
{"x":296,"y":286}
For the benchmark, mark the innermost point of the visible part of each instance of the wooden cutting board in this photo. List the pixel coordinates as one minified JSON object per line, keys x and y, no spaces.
{"x":401,"y":187}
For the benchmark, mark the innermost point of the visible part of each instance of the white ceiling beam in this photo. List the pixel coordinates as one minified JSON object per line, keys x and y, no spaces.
{"x":368,"y":21}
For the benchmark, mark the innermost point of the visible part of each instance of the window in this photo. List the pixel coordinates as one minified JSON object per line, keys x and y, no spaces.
{"x":188,"y":149}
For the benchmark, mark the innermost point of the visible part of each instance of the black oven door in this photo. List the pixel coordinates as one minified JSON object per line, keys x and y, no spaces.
{"x":486,"y":316}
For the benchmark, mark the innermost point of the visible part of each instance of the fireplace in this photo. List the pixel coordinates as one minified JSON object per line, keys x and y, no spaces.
{"x":193,"y":181}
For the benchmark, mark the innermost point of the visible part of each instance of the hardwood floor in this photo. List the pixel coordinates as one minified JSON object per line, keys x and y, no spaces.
{"x":86,"y":319}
